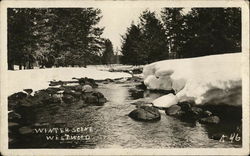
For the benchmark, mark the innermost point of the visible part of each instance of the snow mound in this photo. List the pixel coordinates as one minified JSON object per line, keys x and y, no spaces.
{"x":192,"y":78}
{"x":37,"y":79}
{"x":161,"y":101}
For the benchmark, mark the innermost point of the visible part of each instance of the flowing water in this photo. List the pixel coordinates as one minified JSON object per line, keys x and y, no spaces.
{"x":111,"y":127}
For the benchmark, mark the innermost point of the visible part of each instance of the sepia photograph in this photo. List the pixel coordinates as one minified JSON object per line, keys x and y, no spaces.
{"x":119,"y":75}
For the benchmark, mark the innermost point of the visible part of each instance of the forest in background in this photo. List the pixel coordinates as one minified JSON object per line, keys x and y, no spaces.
{"x":200,"y":32}
{"x":47,"y":37}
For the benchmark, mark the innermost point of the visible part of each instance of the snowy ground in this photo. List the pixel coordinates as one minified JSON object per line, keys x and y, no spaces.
{"x":193,"y":78}
{"x":37,"y":79}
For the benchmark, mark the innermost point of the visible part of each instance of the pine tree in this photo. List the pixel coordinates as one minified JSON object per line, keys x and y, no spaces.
{"x":108,"y":54}
{"x":53,"y":36}
{"x":174,"y":26}
{"x":154,"y":38}
{"x":132,"y":50}
{"x":21,"y":38}
{"x":212,"y":31}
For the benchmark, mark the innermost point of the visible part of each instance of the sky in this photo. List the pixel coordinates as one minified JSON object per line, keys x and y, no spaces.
{"x":116,"y":20}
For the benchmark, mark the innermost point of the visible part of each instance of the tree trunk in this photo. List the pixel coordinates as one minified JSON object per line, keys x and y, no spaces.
{"x":20,"y":66}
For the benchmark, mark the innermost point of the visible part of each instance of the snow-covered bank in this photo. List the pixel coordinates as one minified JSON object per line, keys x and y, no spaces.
{"x":39,"y":78}
{"x":193,"y":78}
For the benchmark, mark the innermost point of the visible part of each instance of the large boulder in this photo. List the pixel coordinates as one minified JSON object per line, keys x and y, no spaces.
{"x":145,"y":113}
{"x":165,"y":101}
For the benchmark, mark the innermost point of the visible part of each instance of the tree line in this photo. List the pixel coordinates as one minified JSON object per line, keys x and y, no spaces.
{"x":49,"y":37}
{"x":200,"y":32}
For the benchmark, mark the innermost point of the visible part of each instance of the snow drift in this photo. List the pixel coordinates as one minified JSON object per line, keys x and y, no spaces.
{"x":193,"y":78}
{"x":37,"y":79}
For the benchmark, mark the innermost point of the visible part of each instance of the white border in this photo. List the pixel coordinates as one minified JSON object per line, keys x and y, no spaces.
{"x":175,"y":151}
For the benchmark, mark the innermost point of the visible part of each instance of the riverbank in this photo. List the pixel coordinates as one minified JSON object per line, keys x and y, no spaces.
{"x":71,"y":116}
{"x":37,"y":79}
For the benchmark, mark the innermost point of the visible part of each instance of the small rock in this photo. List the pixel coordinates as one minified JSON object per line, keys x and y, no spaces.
{"x":42,"y":96}
{"x":134,"y":79}
{"x":185,"y":106}
{"x":174,"y":110}
{"x":78,"y":88}
{"x":88,"y":81}
{"x":210,"y":120}
{"x":25,"y":130}
{"x":68,"y":91}
{"x":53,"y":90}
{"x":108,"y":80}
{"x":55,"y":98}
{"x":77,"y":94}
{"x":91,"y":99}
{"x":98,"y":94}
{"x":57,"y":95}
{"x":68,"y":98}
{"x":12,"y":125}
{"x":196,"y":111}
{"x":59,"y":122}
{"x":102,"y":100}
{"x":207,"y":113}
{"x":145,"y":113}
{"x":44,"y":124}
{"x":137,"y":71}
{"x":37,"y":125}
{"x":137,"y":94}
{"x":87,"y":88}
{"x":141,"y":86}
{"x":14,"y":116}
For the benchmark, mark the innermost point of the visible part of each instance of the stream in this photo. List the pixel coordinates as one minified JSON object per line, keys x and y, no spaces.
{"x":109,"y":126}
